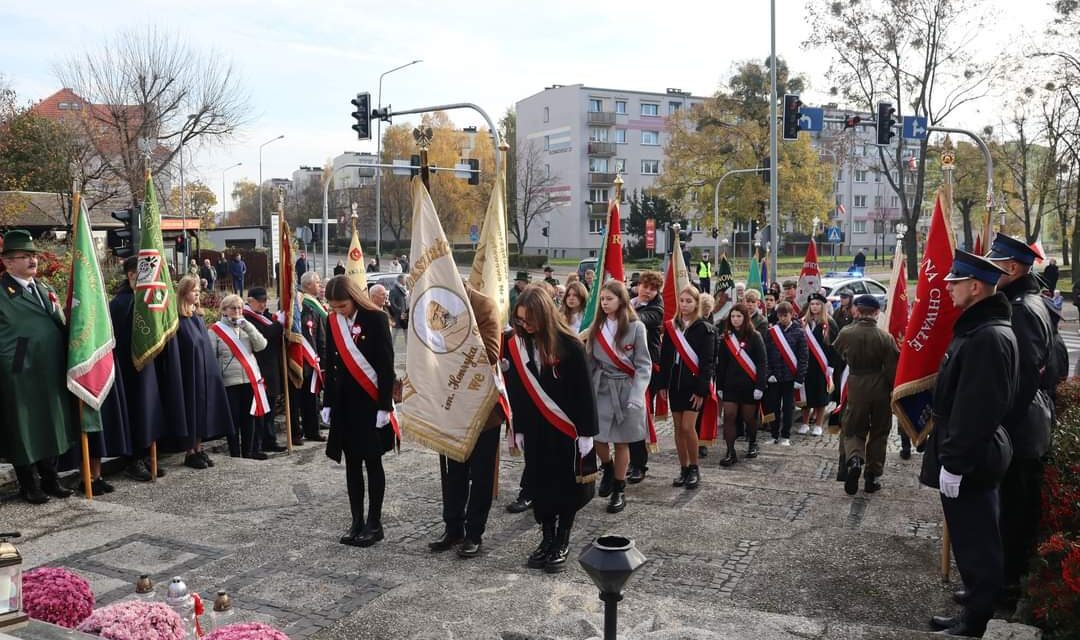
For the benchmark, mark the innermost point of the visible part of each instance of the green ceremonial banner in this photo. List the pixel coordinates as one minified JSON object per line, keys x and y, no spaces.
{"x":724,"y":281}
{"x":155,"y":318}
{"x":753,"y":279}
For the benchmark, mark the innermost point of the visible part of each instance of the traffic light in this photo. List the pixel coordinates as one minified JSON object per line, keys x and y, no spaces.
{"x":766,"y":175}
{"x":414,"y":165}
{"x":546,"y":230}
{"x":851,"y":121}
{"x":124,"y":242}
{"x":791,"y":116}
{"x":715,"y":233}
{"x":474,"y":174}
{"x":885,"y":122}
{"x":362,"y":102}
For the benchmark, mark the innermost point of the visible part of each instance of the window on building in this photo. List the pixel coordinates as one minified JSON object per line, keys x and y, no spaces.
{"x":858,"y":226}
{"x":547,"y":114}
{"x":547,"y":143}
{"x":650,"y":109}
{"x":650,"y":167}
{"x":839,"y":175}
{"x":877,"y":175}
{"x":650,"y":138}
{"x":596,"y":226}
{"x":894,"y":202}
{"x":860,"y":201}
{"x":598,"y":165}
{"x":598,"y":195}
{"x":860,"y":175}
{"x":620,"y":106}
{"x":598,"y":134}
{"x":839,"y":199}
{"x":620,"y":165}
{"x":877,"y":201}
{"x":620,"y":136}
{"x":596,"y":105}
{"x":672,"y":107}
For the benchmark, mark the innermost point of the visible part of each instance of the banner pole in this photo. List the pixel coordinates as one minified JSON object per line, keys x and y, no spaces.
{"x":153,"y":461}
{"x":287,"y":386}
{"x":86,"y":465}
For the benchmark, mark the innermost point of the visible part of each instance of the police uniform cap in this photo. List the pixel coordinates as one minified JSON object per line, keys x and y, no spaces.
{"x":19,"y":240}
{"x":867,"y":301}
{"x":1006,"y":248}
{"x":966,"y":266}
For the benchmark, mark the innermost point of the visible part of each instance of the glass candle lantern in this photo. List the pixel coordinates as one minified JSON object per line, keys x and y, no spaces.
{"x":11,"y":613}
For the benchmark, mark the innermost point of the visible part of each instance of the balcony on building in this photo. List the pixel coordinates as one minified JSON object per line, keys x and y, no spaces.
{"x":601,"y":178}
{"x":601,"y":148}
{"x":600,"y":118}
{"x":596,"y":208}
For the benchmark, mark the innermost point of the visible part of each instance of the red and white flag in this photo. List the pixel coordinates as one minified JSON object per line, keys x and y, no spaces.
{"x":809,"y":277}
{"x":894,"y":320}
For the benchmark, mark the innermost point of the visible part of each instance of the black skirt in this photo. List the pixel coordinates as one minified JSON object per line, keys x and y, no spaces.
{"x":816,"y":389}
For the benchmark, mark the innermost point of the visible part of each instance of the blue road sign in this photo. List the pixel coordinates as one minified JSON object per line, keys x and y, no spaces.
{"x":832,"y":234}
{"x":474,"y":233}
{"x":811,"y":119}
{"x":914,"y":128}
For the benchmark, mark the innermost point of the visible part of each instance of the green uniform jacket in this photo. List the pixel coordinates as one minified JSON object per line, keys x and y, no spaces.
{"x":36,"y":409}
{"x":871,"y":356}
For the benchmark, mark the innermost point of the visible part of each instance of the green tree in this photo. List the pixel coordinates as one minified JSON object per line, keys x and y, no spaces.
{"x":642,"y":207}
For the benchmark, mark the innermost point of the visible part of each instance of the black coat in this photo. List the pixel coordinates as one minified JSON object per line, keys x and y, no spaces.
{"x":1034,"y":339}
{"x":975,"y":389}
{"x":1050,"y":275}
{"x":399,"y":305}
{"x":551,"y":457}
{"x":352,"y":410}
{"x":677,"y":378}
{"x":269,"y":359}
{"x":731,"y":378}
{"x":652,"y":316}
{"x":777,"y":366}
{"x":206,"y":407}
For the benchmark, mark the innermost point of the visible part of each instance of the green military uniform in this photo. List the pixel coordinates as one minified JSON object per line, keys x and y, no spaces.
{"x":36,"y":409}
{"x":871,"y":356}
{"x":522,"y":277}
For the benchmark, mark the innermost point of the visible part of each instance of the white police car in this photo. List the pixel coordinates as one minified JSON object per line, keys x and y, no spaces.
{"x":854,"y":283}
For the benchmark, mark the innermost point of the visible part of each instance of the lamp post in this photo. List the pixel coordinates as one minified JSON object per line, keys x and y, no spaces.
{"x":260,"y":177}
{"x":183,"y":197}
{"x":716,"y":209}
{"x":378,"y":160}
{"x":610,"y":561}
{"x":223,"y":187}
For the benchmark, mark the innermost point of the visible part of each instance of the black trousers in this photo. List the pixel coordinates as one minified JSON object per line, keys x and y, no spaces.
{"x":703,"y":285}
{"x":467,"y":488}
{"x":972,"y":518}
{"x":36,"y":474}
{"x":265,"y":436}
{"x":355,"y":465}
{"x":639,"y":451}
{"x":1021,"y":512}
{"x":782,"y":404}
{"x":305,"y":410}
{"x":242,"y":441}
{"x":562,"y":520}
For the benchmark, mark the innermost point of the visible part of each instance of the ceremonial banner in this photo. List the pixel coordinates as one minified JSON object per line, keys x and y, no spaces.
{"x":753,"y":279}
{"x":155,"y":316}
{"x":490,"y":273}
{"x":610,"y":265}
{"x":928,"y":332}
{"x":289,"y":306}
{"x":724,"y":281}
{"x":809,"y":277}
{"x":449,"y":386}
{"x":675,"y":280}
{"x":90,"y":367}
{"x":355,"y":269}
{"x":894,"y":319}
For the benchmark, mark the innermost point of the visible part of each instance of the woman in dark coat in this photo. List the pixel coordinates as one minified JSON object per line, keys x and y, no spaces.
{"x":687,"y":391}
{"x":359,"y":409}
{"x":824,"y":329}
{"x":543,"y":357}
{"x":741,"y":374}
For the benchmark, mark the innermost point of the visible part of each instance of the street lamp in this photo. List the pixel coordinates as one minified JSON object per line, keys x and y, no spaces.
{"x":260,"y":177}
{"x":223,"y":187}
{"x":610,"y":561}
{"x":378,"y":160}
{"x":183,"y":197}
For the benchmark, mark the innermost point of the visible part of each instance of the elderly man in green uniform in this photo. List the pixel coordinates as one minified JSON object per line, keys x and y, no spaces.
{"x":36,"y":412}
{"x":871,"y":356}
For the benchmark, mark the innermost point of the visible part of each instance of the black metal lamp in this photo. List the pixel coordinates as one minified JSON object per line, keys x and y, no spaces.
{"x":610,"y":561}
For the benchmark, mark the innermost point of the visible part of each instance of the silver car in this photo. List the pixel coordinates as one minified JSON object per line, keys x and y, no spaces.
{"x":835,"y":284}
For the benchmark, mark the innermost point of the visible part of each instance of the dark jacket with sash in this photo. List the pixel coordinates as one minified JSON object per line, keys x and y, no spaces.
{"x":677,"y":377}
{"x":269,"y":359}
{"x":353,"y":410}
{"x":731,"y":378}
{"x":652,"y":316}
{"x":551,"y":458}
{"x":313,"y":326}
{"x":796,"y":339}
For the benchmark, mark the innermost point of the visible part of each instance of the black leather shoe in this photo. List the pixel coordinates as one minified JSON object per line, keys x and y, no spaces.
{"x":681,"y":480}
{"x":354,"y":530}
{"x":34,"y":496}
{"x":369,"y":536}
{"x":556,"y":560}
{"x":964,"y":628}
{"x":206,"y":457}
{"x":752,"y":451}
{"x":100,"y":487}
{"x":298,"y":441}
{"x":635,"y":475}
{"x":940,"y":623}
{"x":318,"y":437}
{"x":137,"y":470}
{"x":56,"y":490}
{"x":607,"y":478}
{"x":905,"y":454}
{"x":854,"y":472}
{"x":538,"y":558}
{"x":871,"y":484}
{"x":961,"y":596}
{"x":194,"y":461}
{"x":730,"y":458}
{"x":521,"y":505}
{"x":693,"y":477}
{"x":259,"y":455}
{"x":275,"y":448}
{"x":468,"y":549}
{"x":618,"y":497}
{"x":445,"y":542}
{"x":841,"y":469}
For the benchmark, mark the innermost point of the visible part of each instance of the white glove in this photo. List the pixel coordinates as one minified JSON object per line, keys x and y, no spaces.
{"x":949,"y":483}
{"x":719,"y":395}
{"x":772,"y":379}
{"x":584,"y":443}
{"x":325,"y":415}
{"x":382,"y":418}
{"x":758,"y":394}
{"x":519,"y":440}
{"x":798,"y":385}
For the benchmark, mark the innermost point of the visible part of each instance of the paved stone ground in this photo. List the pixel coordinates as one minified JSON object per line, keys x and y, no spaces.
{"x":770,"y":549}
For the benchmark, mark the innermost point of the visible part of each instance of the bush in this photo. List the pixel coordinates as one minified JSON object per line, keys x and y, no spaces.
{"x":527,"y":261}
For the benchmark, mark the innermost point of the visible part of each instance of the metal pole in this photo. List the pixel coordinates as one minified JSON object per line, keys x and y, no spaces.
{"x":774,"y":159}
{"x":260,"y":178}
{"x":987,"y":158}
{"x":611,"y":614}
{"x":851,"y":195}
{"x":378,"y":158}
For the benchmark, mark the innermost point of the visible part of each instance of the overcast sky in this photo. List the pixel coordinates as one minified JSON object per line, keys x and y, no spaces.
{"x":302,"y":61}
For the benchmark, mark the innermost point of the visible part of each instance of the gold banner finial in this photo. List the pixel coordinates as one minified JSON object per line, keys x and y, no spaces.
{"x":618,"y":188}
{"x":948,"y":154}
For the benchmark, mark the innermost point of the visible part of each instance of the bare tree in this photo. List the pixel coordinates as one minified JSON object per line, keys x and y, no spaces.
{"x":153,"y":86}
{"x":535,"y":198}
{"x":916,"y":55}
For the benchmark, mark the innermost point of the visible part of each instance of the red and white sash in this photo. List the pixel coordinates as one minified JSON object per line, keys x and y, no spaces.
{"x":551,"y":411}
{"x":256,"y":317}
{"x":786,"y":353}
{"x":678,"y":338}
{"x":359,"y":367}
{"x":260,"y":404}
{"x":311,"y":358}
{"x":843,"y":390}
{"x":607,"y":342}
{"x":710,"y":409}
{"x":819,"y":354}
{"x":742,"y":357}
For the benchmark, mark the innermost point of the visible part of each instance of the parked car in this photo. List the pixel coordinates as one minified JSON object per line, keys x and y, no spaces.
{"x":384,"y":278}
{"x":585,"y":265}
{"x":837,"y":283}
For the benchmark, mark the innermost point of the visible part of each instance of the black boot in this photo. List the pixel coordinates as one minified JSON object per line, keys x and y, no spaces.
{"x":350,"y":537}
{"x":854,"y":471}
{"x":752,"y":450}
{"x":606,"y":479}
{"x":371,"y":534}
{"x":618,"y":497}
{"x":693,"y":477}
{"x":730,"y":458}
{"x":556,"y":560}
{"x":538,"y":557}
{"x":681,"y":480}
{"x":29,"y":487}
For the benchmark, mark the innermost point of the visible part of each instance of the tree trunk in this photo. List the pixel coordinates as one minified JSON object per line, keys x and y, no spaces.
{"x":911,"y":251}
{"x":965,"y":208}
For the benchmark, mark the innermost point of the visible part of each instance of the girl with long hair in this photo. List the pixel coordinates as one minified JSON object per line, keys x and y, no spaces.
{"x":573,"y":305}
{"x":620,"y":366}
{"x":554,"y":411}
{"x":357,"y":407}
{"x":820,"y":331}
{"x":686,"y":373}
{"x":741,"y":374}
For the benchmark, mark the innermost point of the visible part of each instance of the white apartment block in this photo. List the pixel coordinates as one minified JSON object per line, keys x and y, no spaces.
{"x":587,"y":136}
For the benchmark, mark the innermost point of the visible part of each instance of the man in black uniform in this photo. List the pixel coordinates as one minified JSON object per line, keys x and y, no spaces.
{"x":270,"y":364}
{"x":967,"y":452}
{"x":1028,"y":422}
{"x":649,"y":306}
